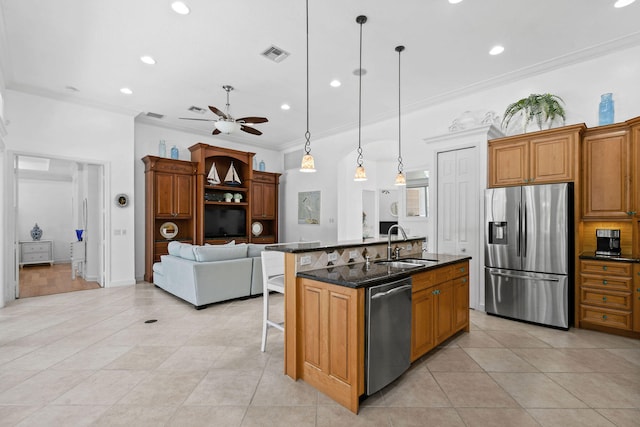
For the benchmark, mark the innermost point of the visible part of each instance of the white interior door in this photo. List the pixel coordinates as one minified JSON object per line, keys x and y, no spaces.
{"x":458,"y":221}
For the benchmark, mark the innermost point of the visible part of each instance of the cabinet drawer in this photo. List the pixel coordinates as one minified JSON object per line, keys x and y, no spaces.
{"x":606,"y":282}
{"x":28,"y":248}
{"x":597,"y":297}
{"x":263,"y":240}
{"x":429,"y":278}
{"x":35,"y":257}
{"x":606,"y":317}
{"x":460,"y":269}
{"x":604,"y":267}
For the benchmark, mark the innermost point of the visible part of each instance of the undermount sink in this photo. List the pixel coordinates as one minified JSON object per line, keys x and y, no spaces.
{"x":399,"y":264}
{"x":421,"y":261}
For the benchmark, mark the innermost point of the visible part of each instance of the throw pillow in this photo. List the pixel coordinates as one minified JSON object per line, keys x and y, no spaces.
{"x":219,"y":252}
{"x":254,"y":250}
{"x":186,"y":251}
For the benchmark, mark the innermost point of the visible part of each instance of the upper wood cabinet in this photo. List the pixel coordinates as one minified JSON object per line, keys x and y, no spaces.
{"x":634,"y":132}
{"x":174,"y":195}
{"x":535,"y":158}
{"x":264,"y":207}
{"x":606,"y":170}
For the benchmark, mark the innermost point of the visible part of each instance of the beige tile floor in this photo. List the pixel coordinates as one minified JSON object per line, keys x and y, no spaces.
{"x":88,"y":358}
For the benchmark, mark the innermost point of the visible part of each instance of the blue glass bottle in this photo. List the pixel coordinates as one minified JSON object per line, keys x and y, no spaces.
{"x":174,"y":153}
{"x":606,"y":109}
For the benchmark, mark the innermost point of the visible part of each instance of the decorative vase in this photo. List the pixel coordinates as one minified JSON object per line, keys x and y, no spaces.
{"x":262,"y":166}
{"x":606,"y":110}
{"x":36,"y":232}
{"x":162,"y":149}
{"x":175,"y":153}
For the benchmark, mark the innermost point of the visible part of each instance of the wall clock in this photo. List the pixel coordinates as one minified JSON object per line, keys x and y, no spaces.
{"x":122,"y":200}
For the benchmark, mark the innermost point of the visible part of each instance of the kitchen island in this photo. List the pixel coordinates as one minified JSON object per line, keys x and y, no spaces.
{"x":325,"y":308}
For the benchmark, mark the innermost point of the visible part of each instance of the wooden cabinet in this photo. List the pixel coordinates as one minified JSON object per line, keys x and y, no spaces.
{"x":606,"y":169}
{"x":634,"y":132}
{"x":606,"y":297}
{"x":536,"y":158}
{"x":440,"y":306}
{"x":330,"y":322}
{"x":169,"y":198}
{"x":36,"y":252}
{"x":636,"y":297}
{"x":264,"y":207}
{"x":174,"y":195}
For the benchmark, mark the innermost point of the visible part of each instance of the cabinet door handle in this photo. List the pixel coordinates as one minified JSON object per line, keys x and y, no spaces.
{"x":604,"y":317}
{"x":464,"y":280}
{"x":604,"y":282}
{"x":604,"y":299}
{"x":604,"y":267}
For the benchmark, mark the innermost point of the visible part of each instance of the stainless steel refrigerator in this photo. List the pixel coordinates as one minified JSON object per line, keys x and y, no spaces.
{"x":529,"y":253}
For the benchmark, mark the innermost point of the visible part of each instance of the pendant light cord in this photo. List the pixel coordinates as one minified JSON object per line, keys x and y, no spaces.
{"x":361,"y":20}
{"x":399,"y":49}
{"x":307,"y":134}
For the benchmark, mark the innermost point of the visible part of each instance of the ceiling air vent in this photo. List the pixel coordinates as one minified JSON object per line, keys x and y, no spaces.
{"x":275,"y":54}
{"x":155,"y":115}
{"x":195,"y":109}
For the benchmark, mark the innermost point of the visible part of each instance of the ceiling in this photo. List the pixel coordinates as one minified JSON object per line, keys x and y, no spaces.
{"x":87,"y":50}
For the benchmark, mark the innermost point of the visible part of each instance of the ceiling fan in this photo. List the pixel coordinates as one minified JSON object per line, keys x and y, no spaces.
{"x":227,"y":124}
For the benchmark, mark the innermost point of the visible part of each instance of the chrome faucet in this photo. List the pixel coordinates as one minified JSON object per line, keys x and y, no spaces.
{"x":404,"y":236}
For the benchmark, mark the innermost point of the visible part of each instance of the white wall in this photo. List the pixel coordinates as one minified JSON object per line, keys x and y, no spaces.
{"x":39,"y":125}
{"x":147,"y":138}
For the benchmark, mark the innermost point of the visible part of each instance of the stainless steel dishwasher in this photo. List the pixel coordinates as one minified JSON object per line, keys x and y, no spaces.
{"x":388,"y":333}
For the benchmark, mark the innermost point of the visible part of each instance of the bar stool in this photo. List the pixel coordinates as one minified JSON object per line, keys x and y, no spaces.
{"x":272,"y":280}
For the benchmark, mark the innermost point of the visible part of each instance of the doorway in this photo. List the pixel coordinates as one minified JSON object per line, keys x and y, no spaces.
{"x":58,"y":225}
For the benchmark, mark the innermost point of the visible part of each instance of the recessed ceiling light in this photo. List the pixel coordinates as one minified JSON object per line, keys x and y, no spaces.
{"x":180,"y":7}
{"x":454,"y":1}
{"x":496,"y":50}
{"x":126,"y":91}
{"x":623,"y":3}
{"x":147,"y":60}
{"x":285,"y":107}
{"x":335,"y":83}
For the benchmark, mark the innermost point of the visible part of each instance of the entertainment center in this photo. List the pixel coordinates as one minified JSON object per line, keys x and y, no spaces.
{"x":202,"y":207}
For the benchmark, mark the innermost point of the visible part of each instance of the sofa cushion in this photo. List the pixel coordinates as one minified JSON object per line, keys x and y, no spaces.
{"x":186,"y":251}
{"x":219,"y":252}
{"x":174,"y":248}
{"x":254,"y":250}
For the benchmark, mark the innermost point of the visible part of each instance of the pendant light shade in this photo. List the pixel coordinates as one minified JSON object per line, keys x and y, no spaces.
{"x":360,"y":175}
{"x":400,"y":178}
{"x":308,"y":164}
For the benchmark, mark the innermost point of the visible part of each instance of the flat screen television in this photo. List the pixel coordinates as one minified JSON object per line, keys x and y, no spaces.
{"x":224,"y":221}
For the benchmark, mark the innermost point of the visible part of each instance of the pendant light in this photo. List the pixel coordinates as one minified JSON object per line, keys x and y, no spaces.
{"x":308,"y":164}
{"x":360,"y":175}
{"x":400,"y":178}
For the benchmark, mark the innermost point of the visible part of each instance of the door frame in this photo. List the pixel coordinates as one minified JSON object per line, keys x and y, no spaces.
{"x":10,"y":290}
{"x":471,"y":138}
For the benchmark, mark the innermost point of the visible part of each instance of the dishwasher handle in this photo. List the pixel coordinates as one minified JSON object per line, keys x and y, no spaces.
{"x":391,"y":291}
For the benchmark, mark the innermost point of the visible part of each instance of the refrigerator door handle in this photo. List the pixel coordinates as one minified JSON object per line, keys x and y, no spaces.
{"x":518,"y":231}
{"x":524,"y":231}
{"x":517,"y":276}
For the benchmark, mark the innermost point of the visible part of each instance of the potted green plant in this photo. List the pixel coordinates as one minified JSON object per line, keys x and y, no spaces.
{"x":541,"y":108}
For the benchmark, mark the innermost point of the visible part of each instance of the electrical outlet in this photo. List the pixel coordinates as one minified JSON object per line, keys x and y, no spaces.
{"x":353,"y":254}
{"x":305,"y":260}
{"x":408,"y":248}
{"x":332,"y":256}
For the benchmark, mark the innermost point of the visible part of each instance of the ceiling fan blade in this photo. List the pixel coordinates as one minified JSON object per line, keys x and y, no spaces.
{"x":215,"y":131}
{"x":202,"y":120}
{"x":218,"y":112}
{"x":253,"y":120}
{"x":249,"y":129}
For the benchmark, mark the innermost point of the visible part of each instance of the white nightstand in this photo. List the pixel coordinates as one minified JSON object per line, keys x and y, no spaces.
{"x":36,"y":252}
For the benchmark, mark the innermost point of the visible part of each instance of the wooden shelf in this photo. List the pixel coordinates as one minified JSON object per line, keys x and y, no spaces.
{"x":228,"y":188}
{"x":207,"y":202}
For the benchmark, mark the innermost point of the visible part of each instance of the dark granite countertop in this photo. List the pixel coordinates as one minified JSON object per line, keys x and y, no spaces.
{"x":358,"y":275}
{"x":299,"y":247}
{"x":621,"y":258}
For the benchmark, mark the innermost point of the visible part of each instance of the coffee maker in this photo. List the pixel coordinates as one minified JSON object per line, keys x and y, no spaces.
{"x":608,"y":242}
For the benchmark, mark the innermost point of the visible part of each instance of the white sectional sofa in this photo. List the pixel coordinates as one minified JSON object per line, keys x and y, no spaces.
{"x":203,"y":275}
